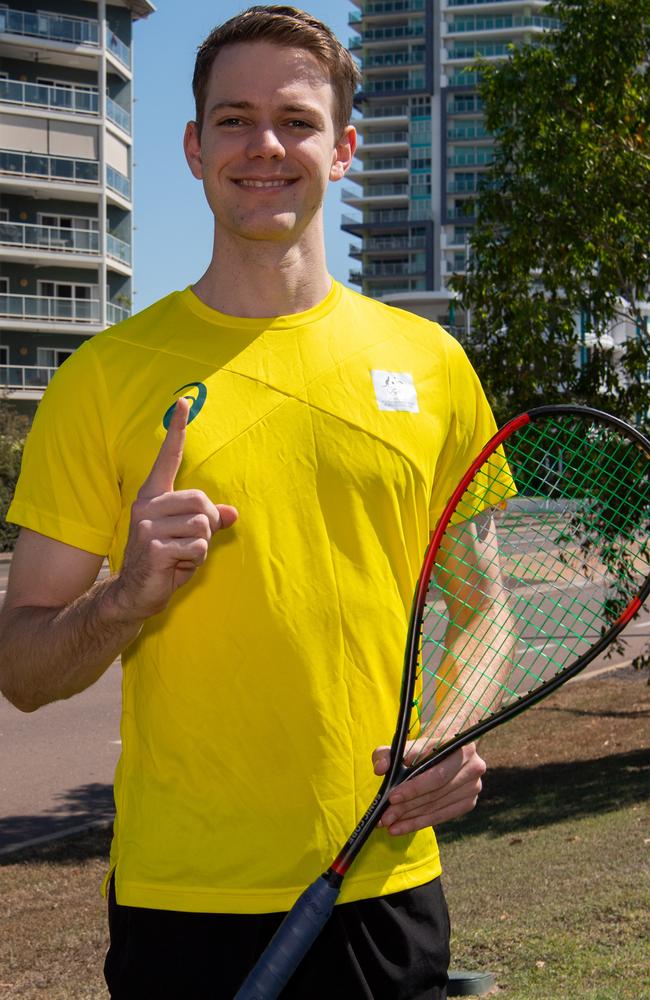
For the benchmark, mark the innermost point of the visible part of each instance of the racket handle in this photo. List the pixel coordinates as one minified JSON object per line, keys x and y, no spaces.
{"x":290,"y":943}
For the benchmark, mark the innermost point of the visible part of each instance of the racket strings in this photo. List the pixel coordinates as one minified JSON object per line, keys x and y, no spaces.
{"x":572,"y":552}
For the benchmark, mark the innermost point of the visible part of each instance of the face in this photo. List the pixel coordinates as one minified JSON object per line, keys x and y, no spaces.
{"x":267,"y":148}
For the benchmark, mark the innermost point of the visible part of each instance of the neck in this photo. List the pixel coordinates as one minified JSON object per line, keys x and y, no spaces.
{"x":252,"y":279}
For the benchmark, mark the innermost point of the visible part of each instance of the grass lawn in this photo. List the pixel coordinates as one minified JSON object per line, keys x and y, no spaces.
{"x":547,"y":881}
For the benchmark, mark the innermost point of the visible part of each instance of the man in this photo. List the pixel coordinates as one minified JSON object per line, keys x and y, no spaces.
{"x":261,"y":663}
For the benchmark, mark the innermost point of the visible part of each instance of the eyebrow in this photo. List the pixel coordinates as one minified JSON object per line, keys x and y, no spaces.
{"x":294,"y":109}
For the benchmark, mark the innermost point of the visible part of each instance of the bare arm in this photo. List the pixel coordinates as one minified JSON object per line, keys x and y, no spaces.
{"x":470,"y":576}
{"x":60,"y":630}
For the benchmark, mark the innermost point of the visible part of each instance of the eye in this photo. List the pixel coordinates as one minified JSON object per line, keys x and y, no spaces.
{"x":231,"y":122}
{"x":298,"y":123}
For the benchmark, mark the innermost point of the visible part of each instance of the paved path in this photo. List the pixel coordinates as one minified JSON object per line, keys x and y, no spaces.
{"x":57,"y":764}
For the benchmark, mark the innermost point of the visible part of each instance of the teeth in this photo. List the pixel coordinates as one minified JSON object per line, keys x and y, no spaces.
{"x":262,"y":184}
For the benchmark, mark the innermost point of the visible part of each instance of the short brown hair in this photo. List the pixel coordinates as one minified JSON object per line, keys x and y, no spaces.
{"x":285,"y":26}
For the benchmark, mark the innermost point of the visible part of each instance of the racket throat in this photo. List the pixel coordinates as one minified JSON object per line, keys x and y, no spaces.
{"x":367,"y":823}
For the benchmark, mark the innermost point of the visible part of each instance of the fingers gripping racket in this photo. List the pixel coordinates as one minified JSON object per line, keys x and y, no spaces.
{"x":539,"y":560}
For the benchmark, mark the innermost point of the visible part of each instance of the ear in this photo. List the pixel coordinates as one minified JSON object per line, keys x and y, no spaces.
{"x":343,"y":153}
{"x":192,"y":147}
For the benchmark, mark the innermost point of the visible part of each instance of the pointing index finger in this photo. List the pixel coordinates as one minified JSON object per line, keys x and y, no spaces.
{"x":168,"y":460}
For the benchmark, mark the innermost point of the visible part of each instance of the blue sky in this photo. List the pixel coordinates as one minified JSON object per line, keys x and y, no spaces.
{"x":173,"y":236}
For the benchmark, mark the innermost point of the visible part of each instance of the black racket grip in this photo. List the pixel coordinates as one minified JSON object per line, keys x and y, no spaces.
{"x":290,"y":943}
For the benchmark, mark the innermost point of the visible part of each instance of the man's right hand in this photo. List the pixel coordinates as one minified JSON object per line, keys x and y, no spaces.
{"x":170,"y":531}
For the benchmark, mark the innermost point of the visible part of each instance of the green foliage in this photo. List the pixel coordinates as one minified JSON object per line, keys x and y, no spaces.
{"x":563,"y":220}
{"x":13,"y":431}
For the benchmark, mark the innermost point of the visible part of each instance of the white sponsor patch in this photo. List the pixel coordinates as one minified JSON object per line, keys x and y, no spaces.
{"x":395,"y":391}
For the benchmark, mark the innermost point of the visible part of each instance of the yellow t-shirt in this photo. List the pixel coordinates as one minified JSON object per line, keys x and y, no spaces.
{"x":252,"y":704}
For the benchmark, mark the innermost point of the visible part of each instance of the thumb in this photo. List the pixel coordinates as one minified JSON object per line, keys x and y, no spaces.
{"x":381,"y":760}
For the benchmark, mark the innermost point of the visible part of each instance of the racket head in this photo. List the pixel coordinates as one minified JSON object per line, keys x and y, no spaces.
{"x":562,"y":495}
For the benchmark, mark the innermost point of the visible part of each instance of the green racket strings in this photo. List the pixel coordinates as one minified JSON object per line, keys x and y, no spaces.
{"x":545,"y":550}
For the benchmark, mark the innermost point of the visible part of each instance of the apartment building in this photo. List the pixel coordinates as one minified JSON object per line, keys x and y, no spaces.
{"x":65,"y":179}
{"x":423,"y":143}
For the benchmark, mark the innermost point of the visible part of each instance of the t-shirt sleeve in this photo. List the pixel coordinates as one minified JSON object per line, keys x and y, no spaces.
{"x":470,"y":428}
{"x":68,"y":488}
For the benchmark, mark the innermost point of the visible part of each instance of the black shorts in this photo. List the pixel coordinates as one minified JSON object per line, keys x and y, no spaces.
{"x":392,"y":948}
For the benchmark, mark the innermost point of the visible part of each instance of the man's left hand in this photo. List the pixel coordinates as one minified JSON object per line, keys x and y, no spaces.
{"x":449,"y":790}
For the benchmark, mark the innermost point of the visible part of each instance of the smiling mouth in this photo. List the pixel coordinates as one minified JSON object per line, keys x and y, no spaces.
{"x":278,"y":183}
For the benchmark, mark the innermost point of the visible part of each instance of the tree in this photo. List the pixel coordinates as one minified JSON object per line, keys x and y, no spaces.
{"x":13,"y":431}
{"x":560,"y":254}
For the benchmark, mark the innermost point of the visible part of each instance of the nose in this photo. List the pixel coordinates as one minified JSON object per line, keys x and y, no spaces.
{"x":265,"y":142}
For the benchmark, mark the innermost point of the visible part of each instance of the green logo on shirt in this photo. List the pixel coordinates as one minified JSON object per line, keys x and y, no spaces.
{"x":197,"y":402}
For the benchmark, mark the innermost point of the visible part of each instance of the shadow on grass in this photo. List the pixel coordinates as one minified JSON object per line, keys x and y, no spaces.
{"x":90,"y":804}
{"x":518,"y":798}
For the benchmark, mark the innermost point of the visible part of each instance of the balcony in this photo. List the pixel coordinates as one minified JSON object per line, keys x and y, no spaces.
{"x":383,"y":138}
{"x":481,"y":156}
{"x":400,"y":85}
{"x":118,"y":182}
{"x":76,"y":100}
{"x":389,"y":60}
{"x":50,"y":26}
{"x":49,"y":309}
{"x":476,"y":23}
{"x":468,"y":130}
{"x":386,"y":7}
{"x":118,"y":115}
{"x":28,"y":381}
{"x":387,"y":192}
{"x":387,"y":244}
{"x":479,"y":50}
{"x":392,"y":33}
{"x":118,"y":249}
{"x":498,"y":4}
{"x":54,"y":27}
{"x":387,"y":270}
{"x":72,"y":100}
{"x":464,"y":104}
{"x":61,"y":240}
{"x":49,"y":238}
{"x":49,"y":168}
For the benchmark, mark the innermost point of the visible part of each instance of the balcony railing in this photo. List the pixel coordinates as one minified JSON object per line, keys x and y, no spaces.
{"x":379,"y":243}
{"x":392,"y":32}
{"x":468,"y":130}
{"x":386,"y":7}
{"x":59,"y":239}
{"x":115,"y":313}
{"x":75,"y":99}
{"x":116,"y":113}
{"x":18,"y":378}
{"x":478,"y":157}
{"x":51,"y":26}
{"x":49,"y":168}
{"x":61,"y":28}
{"x":399,"y":85}
{"x":49,"y":309}
{"x":389,"y":60}
{"x":478,"y":50}
{"x":375,"y":191}
{"x":381,"y":138}
{"x":462,"y":105}
{"x":383,"y":163}
{"x":54,"y":238}
{"x":118,"y":249}
{"x":118,"y":48}
{"x":481,"y":23}
{"x":388,"y":111}
{"x":118,"y":182}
